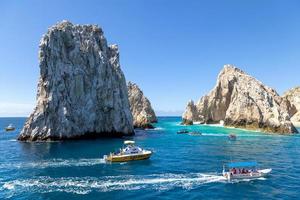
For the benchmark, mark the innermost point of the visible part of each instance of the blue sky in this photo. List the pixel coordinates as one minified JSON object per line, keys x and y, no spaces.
{"x":173,"y":50}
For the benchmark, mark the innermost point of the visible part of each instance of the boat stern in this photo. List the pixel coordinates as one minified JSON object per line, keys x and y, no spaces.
{"x":107,"y":158}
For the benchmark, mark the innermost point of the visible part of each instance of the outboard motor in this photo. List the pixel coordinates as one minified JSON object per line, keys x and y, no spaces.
{"x":227,"y":175}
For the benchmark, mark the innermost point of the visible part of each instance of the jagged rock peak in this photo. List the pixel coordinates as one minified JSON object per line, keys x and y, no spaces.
{"x":82,"y":91}
{"x":141,"y":109}
{"x":190,"y":113}
{"x":293,"y":96}
{"x":65,"y":24}
{"x":240,"y":100}
{"x":229,"y":68}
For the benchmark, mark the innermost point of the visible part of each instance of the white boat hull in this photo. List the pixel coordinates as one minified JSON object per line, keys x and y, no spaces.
{"x":252,"y":175}
{"x":130,"y":157}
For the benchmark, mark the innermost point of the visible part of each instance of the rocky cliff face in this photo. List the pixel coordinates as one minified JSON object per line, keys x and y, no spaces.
{"x":81,"y":91}
{"x":142,"y":112}
{"x":241,"y":101}
{"x":293,"y":96}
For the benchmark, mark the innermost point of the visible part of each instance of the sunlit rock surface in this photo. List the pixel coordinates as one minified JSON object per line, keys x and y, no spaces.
{"x":241,"y":101}
{"x":142,"y":112}
{"x":293,"y":96}
{"x":82,"y":91}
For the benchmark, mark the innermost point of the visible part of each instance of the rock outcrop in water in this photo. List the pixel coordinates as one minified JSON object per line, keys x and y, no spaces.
{"x":241,"y":101}
{"x":142,"y":112}
{"x":293,"y":96}
{"x":82,"y":91}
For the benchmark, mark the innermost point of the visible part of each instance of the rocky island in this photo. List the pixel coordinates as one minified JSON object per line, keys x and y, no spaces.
{"x":240,"y":100}
{"x":82,"y":91}
{"x":293,"y":96}
{"x":141,"y":109}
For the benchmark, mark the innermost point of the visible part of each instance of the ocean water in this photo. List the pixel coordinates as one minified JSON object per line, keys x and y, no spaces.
{"x":182,"y":166}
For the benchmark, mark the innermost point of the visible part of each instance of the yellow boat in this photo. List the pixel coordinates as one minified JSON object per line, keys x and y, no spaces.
{"x":128,"y":153}
{"x":10,"y":128}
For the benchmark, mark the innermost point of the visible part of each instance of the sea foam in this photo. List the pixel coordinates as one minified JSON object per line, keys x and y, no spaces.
{"x":84,"y":185}
{"x":53,"y":163}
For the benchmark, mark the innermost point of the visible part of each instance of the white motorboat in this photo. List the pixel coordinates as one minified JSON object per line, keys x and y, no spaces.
{"x":128,"y":153}
{"x":244,"y":170}
{"x":182,"y":131}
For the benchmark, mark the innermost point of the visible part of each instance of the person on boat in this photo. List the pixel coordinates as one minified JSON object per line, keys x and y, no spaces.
{"x":234,"y":171}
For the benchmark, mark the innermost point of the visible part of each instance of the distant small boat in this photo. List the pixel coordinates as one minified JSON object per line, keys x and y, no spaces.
{"x":10,"y":127}
{"x":182,"y":131}
{"x":243,"y":170}
{"x":232,"y":137}
{"x":128,"y":153}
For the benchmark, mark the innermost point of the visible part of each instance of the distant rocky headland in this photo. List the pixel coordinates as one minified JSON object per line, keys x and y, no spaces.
{"x":141,"y":109}
{"x":239,"y":100}
{"x":293,"y":96}
{"x":82,"y":91}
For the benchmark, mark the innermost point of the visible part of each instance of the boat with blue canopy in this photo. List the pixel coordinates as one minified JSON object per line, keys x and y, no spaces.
{"x":242,"y":164}
{"x":244,"y":170}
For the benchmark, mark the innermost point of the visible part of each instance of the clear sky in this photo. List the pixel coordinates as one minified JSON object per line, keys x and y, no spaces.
{"x":173,"y":50}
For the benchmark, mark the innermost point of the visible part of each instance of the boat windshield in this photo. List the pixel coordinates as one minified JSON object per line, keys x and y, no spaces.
{"x":129,"y":142}
{"x":132,"y":150}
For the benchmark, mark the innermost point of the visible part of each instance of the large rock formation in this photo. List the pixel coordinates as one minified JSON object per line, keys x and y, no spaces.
{"x":293,"y":96}
{"x":240,"y":100}
{"x":142,"y":112}
{"x":81,"y":91}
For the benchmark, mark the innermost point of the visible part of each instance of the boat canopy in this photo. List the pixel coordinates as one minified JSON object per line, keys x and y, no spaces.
{"x":242,"y":164}
{"x":128,"y":142}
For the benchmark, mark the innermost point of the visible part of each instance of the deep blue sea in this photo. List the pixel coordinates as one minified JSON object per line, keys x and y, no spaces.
{"x":182,"y":166}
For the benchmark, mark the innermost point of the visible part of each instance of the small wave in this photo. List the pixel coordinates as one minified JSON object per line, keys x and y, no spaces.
{"x":248,"y":180}
{"x":9,"y":186}
{"x":213,"y":125}
{"x":238,"y":135}
{"x":262,"y":178}
{"x":154,"y":129}
{"x":84,"y":185}
{"x":53,"y":163}
{"x":215,"y":134}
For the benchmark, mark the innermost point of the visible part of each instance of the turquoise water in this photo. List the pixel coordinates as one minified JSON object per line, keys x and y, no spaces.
{"x":182,"y":166}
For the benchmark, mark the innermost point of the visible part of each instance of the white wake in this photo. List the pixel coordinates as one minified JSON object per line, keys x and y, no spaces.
{"x":85,"y":185}
{"x":53,"y":163}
